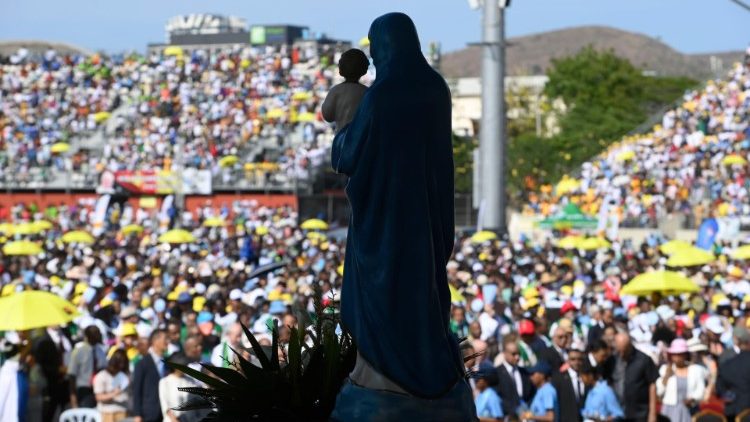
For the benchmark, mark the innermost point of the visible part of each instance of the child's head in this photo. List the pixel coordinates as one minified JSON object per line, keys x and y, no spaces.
{"x":588,"y":373}
{"x":485,"y":376}
{"x":353,"y":64}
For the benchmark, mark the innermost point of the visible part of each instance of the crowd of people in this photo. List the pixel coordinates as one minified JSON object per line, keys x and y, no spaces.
{"x":187,"y":110}
{"x":547,"y":332}
{"x":694,"y":164}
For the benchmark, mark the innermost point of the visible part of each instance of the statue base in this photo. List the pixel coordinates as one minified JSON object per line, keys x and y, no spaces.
{"x":360,"y":404}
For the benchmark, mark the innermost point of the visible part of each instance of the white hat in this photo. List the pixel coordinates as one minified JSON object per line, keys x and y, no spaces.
{"x":713,"y":324}
{"x":477,"y":305}
{"x":665,"y":312}
{"x":200,"y":288}
{"x":695,"y":345}
{"x":235,"y":294}
{"x":144,"y":330}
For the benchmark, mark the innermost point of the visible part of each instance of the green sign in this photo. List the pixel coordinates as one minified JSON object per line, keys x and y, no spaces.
{"x":258,"y":35}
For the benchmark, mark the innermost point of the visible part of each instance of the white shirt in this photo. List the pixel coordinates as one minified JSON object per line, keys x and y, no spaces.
{"x":513,"y":371}
{"x":169,"y":395}
{"x":577,"y":383}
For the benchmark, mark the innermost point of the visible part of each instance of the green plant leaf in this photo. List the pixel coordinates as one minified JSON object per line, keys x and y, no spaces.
{"x":228,"y":375}
{"x":251,"y":371}
{"x":257,"y":348}
{"x":275,"y":345}
{"x":194,"y":403}
{"x":295,"y":365}
{"x":206,"y":379}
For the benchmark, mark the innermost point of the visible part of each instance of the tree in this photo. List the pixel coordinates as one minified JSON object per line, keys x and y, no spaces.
{"x":605,"y":97}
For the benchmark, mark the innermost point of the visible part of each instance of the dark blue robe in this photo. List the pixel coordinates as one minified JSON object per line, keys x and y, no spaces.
{"x":398,"y":154}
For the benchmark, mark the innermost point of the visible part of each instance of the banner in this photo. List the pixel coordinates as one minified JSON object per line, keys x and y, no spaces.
{"x":707,"y":234}
{"x":163,"y":182}
{"x":106,"y":183}
{"x":196,"y":182}
{"x":100,"y":213}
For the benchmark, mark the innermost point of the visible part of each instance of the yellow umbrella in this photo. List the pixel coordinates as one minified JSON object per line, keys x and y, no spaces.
{"x":214,"y":222}
{"x":131,"y":228}
{"x":566,"y":185}
{"x":364,"y":41}
{"x":743,"y":252}
{"x":268,"y":166}
{"x":34,"y":309}
{"x":317,"y":236}
{"x":228,"y":161}
{"x":733,"y":159}
{"x":22,"y":247}
{"x":6,"y":228}
{"x":42,"y":225}
{"x":78,"y":236}
{"x":275,"y":113}
{"x":673,"y":246}
{"x":625,"y":155}
{"x":250,"y":166}
{"x":659,"y":281}
{"x":314,"y":224}
{"x":173,"y":50}
{"x":59,"y":147}
{"x":302,"y":95}
{"x":456,"y":296}
{"x":690,"y":257}
{"x":306,"y":117}
{"x":261,"y":230}
{"x":26,"y":228}
{"x":569,"y":242}
{"x":593,"y":243}
{"x":101,"y":116}
{"x":177,"y":236}
{"x":483,"y":236}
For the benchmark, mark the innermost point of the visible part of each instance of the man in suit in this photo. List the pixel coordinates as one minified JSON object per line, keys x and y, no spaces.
{"x":514,"y":384}
{"x":557,"y":354}
{"x":571,"y":392}
{"x":634,"y":378}
{"x":148,"y":371}
{"x":49,"y":353}
{"x":733,"y":382}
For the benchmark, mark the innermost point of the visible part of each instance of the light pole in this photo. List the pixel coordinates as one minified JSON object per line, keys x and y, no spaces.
{"x":492,"y":130}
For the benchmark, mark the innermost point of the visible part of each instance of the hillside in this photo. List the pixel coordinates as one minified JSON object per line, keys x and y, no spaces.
{"x":532,"y":54}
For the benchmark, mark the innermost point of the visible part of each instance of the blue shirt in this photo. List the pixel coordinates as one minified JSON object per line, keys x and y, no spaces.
{"x":545,"y":399}
{"x":489,"y":404}
{"x":602,"y":402}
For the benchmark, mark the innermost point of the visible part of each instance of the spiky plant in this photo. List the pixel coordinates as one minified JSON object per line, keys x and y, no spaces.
{"x":301,"y":386}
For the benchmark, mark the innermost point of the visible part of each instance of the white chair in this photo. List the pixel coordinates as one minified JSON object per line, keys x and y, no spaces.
{"x":80,"y":415}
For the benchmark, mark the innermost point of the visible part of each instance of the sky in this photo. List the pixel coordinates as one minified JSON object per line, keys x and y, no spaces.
{"x":690,"y":26}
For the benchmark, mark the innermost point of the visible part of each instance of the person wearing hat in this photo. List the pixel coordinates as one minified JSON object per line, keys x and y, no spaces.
{"x":601,"y":403}
{"x":681,"y":385}
{"x":706,"y":362}
{"x":531,"y":344}
{"x":733,"y":382}
{"x":544,"y":407}
{"x":487,"y":401}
